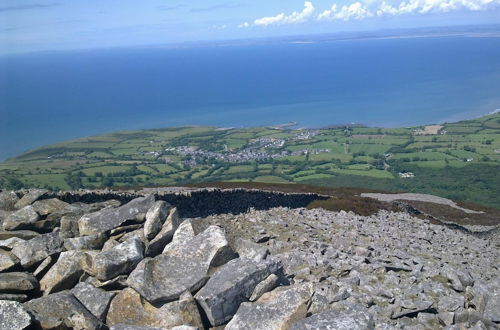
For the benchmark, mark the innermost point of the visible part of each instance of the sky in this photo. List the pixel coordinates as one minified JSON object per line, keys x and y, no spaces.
{"x":41,"y":25}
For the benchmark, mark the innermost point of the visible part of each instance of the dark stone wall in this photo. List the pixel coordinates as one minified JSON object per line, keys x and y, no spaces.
{"x":203,"y":202}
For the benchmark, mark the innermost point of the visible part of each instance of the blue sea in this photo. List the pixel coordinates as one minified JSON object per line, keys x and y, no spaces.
{"x":55,"y":96}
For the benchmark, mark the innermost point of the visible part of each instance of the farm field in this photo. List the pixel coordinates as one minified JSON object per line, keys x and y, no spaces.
{"x":455,"y":160}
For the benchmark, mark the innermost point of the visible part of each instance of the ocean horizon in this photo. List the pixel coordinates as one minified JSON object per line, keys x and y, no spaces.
{"x":55,"y":96}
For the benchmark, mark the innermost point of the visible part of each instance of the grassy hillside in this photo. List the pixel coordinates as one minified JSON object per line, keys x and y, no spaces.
{"x":456,"y":160}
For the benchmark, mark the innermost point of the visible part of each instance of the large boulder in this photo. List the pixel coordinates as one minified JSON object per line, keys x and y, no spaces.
{"x":47,"y":206}
{"x":13,"y":316}
{"x":30,"y":197}
{"x":92,"y":242}
{"x":118,"y":260}
{"x":64,"y":274}
{"x":165,"y":277}
{"x":275,"y":310}
{"x":107,"y":219}
{"x":24,"y":218}
{"x":7,"y":200}
{"x":231,"y":285}
{"x":69,"y":225}
{"x":17,"y":282}
{"x":155,"y":217}
{"x":94,"y":299}
{"x":353,"y":319}
{"x":129,"y":308}
{"x":62,"y":311}
{"x":166,"y":234}
{"x":38,"y":248}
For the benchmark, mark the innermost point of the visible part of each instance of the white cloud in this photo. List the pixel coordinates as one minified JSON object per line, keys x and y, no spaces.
{"x":293,"y":18}
{"x":363,"y":9}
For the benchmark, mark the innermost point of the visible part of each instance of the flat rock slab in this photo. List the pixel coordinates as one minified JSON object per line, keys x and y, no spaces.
{"x":47,"y":206}
{"x":275,"y":310}
{"x":167,"y":276}
{"x":129,"y":308}
{"x":7,"y":260}
{"x":354,"y":319}
{"x":24,"y":218}
{"x":232,"y":284}
{"x":62,"y":310}
{"x":17,"y":282}
{"x":13,"y":316}
{"x":30,"y":197}
{"x":118,"y":260}
{"x":64,"y":274}
{"x":155,"y":217}
{"x":38,"y":248}
{"x":107,"y":219}
{"x":94,"y":299}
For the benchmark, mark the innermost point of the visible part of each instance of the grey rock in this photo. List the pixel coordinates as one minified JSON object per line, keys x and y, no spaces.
{"x":108,"y":219}
{"x":451,"y":303}
{"x":185,"y":232}
{"x":7,"y":200}
{"x":21,"y":219}
{"x":92,"y":242}
{"x":94,"y":299}
{"x":19,"y":297}
{"x":412,"y":308}
{"x":38,"y":248}
{"x":7,"y":260}
{"x":452,"y":276}
{"x":352,"y":319}
{"x":119,"y":260}
{"x":64,"y":274}
{"x":8,"y":244}
{"x":17,"y":282}
{"x":22,"y":234}
{"x":158,"y":243}
{"x":116,"y":283}
{"x":69,"y":225}
{"x":47,"y":206}
{"x":13,"y":316}
{"x":186,"y":267}
{"x":232,"y":284}
{"x":155,"y":217}
{"x":446,"y":317}
{"x":129,"y":308}
{"x":30,"y":197}
{"x":492,"y":310}
{"x":268,"y":284}
{"x":134,"y":327}
{"x":278,"y":309}
{"x":250,"y":250}
{"x":62,"y":310}
{"x":43,"y":267}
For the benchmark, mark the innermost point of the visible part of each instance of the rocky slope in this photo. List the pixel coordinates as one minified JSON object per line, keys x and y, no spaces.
{"x":149,"y":260}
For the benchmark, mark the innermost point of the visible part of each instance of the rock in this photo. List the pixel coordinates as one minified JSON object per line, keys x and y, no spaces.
{"x":155,"y":217}
{"x":30,"y":197}
{"x":7,"y":260}
{"x":452,"y":276}
{"x":250,"y":250}
{"x":21,"y":219}
{"x":451,"y":303}
{"x":92,"y":242}
{"x":278,"y":309}
{"x":38,"y":248}
{"x":135,"y":327}
{"x":22,"y":234}
{"x":47,"y":206}
{"x":8,"y":244}
{"x":492,"y":309}
{"x":61,"y":311}
{"x":158,"y":243}
{"x":357,"y":318}
{"x":19,"y":297}
{"x":108,"y":219}
{"x":413,"y":309}
{"x":64,"y":274}
{"x":118,"y":260}
{"x":232,"y":284}
{"x":129,"y":308}
{"x":186,"y":267}
{"x":94,"y":299}
{"x":17,"y":282}
{"x":446,"y":317}
{"x":116,"y":283}
{"x":269,"y":284}
{"x":69,"y":225}
{"x":13,"y":316}
{"x":185,"y":232}
{"x":7,"y":200}
{"x":43,"y":267}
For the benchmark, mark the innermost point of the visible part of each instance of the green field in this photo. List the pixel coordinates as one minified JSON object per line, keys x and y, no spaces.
{"x":461,"y":161}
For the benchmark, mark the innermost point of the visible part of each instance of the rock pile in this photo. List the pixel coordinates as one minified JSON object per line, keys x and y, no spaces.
{"x":139,"y":265}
